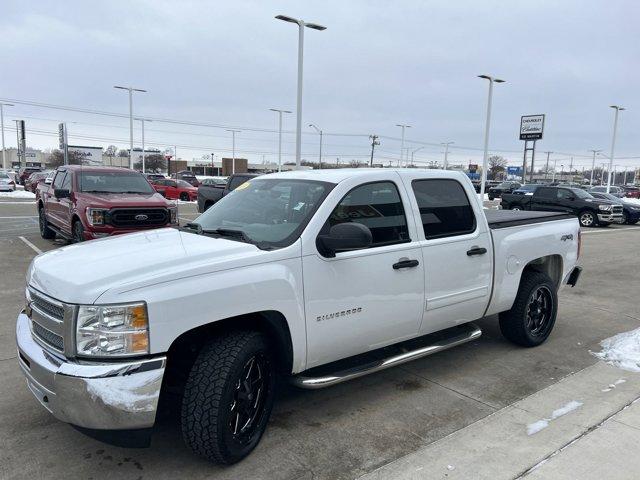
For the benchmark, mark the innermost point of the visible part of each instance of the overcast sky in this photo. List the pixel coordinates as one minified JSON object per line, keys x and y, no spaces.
{"x":379,"y":63}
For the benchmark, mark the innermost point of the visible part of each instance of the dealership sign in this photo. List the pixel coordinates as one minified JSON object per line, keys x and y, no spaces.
{"x":516,"y":171}
{"x":89,"y":155}
{"x":531,"y":127}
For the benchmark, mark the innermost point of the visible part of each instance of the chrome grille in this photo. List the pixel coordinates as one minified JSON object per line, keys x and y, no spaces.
{"x":50,"y":308}
{"x":617,"y":209}
{"x":48,"y":337}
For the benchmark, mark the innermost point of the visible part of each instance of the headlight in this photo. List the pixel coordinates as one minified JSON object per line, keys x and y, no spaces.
{"x":112,"y":330}
{"x":605,"y":207}
{"x":95,"y":216}
{"x":635,"y":208}
{"x":173,"y":212}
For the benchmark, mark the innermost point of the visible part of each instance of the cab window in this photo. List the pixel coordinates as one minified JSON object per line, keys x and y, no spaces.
{"x":57,"y":182}
{"x":379,"y":207}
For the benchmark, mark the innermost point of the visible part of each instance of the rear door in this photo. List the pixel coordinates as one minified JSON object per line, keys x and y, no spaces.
{"x":456,"y":248}
{"x":52,"y":204}
{"x":565,"y":200}
{"x":171,"y":189}
{"x":65,"y":205}
{"x":544,"y":199}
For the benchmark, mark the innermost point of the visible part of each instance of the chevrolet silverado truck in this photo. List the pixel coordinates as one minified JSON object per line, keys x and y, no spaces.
{"x":316,"y":276}
{"x":209,"y":194}
{"x":591,"y":211}
{"x":84,"y":203}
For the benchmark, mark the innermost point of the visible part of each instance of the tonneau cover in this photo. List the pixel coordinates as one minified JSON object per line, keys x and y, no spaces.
{"x":513,"y":218}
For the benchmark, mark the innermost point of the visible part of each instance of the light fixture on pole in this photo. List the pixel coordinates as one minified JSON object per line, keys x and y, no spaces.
{"x":413,"y":153}
{"x":233,"y":158}
{"x":144,"y":157}
{"x":593,"y":164}
{"x":617,"y":108}
{"x":301,"y":24}
{"x":492,"y":80}
{"x":446,"y":153}
{"x":319,"y":130}
{"x":402,"y":141}
{"x":2,"y":105}
{"x":280,"y":112}
{"x":130,"y":90}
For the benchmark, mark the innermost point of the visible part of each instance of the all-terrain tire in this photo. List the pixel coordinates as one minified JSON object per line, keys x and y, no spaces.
{"x":517,"y":325}
{"x":213,"y":387}
{"x":45,"y":231}
{"x":77,"y":232}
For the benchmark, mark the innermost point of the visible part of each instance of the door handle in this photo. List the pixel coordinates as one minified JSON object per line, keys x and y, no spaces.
{"x":476,"y":251}
{"x":406,"y":264}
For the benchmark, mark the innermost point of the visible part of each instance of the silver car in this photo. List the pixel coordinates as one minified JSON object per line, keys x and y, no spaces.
{"x":6,"y":183}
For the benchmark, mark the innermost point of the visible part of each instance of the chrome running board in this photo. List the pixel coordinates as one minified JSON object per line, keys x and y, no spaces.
{"x":469,"y":332}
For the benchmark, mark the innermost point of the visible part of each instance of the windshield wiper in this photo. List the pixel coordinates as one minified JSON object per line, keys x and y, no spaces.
{"x":233,"y":234}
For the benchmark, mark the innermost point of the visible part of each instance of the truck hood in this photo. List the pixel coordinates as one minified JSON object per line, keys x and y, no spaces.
{"x":111,"y":200}
{"x":81,"y":273}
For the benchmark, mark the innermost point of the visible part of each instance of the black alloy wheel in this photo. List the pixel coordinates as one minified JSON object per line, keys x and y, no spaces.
{"x":249,"y":396}
{"x":539,"y":311}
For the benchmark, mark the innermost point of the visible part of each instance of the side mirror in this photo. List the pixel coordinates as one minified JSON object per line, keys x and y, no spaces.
{"x":572,"y":198}
{"x":344,"y":237}
{"x":61,"y":193}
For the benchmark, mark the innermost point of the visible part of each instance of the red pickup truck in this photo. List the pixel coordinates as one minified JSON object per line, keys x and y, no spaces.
{"x":83,"y":203}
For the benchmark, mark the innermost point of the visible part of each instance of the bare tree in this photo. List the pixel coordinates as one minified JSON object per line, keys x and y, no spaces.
{"x":497,"y":164}
{"x":155,"y":162}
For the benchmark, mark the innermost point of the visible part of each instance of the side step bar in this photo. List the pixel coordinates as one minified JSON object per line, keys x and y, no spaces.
{"x":469,"y":332}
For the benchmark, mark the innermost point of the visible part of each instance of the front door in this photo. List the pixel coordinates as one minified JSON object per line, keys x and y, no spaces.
{"x":365,"y":299}
{"x":457,"y":252}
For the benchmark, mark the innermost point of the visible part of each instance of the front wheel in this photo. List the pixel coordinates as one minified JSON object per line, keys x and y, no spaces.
{"x":228,"y":397}
{"x":533,"y":314}
{"x":516,"y":207}
{"x":184,"y":197}
{"x":587,"y":219}
{"x":78,"y":232}
{"x":45,"y":231}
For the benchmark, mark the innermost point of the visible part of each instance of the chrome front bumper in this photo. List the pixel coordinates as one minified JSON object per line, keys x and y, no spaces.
{"x":101,"y":396}
{"x":610,"y":217}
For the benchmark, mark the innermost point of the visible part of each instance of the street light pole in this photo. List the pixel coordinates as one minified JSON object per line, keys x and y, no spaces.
{"x":446,"y":153}
{"x":593,"y":164}
{"x":402,"y":141}
{"x":130,"y":90}
{"x":301,"y":24}
{"x":553,"y":179}
{"x":413,"y":152}
{"x":144,"y":157}
{"x":4,"y":159}
{"x":280,"y":112}
{"x":486,"y":131}
{"x":319,"y":130}
{"x":617,"y":108}
{"x":233,"y":158}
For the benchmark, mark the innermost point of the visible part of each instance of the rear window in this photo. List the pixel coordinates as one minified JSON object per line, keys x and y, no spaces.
{"x":444,"y":208}
{"x":237,"y":181}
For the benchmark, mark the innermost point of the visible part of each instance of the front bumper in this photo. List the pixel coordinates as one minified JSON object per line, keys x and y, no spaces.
{"x":101,"y":396}
{"x":609,"y":217}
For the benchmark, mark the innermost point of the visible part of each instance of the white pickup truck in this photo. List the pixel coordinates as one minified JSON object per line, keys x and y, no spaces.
{"x":320,"y":276}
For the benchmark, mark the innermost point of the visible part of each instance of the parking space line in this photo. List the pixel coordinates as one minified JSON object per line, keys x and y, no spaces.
{"x":612,"y":230}
{"x":22,"y":216}
{"x":33,"y":247}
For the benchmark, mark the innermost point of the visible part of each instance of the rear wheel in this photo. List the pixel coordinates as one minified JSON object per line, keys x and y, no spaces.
{"x":516,"y":207}
{"x":229,"y":396}
{"x":45,"y":231}
{"x":533,"y":314}
{"x":587,"y":219}
{"x":184,"y":197}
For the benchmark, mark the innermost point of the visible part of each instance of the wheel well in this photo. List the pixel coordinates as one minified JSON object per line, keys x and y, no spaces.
{"x":551,"y":265}
{"x":184,"y":349}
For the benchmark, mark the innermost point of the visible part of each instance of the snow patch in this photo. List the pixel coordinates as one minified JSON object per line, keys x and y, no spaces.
{"x":622,"y":351}
{"x":18,"y":194}
{"x":535,"y":427}
{"x":632,"y":201}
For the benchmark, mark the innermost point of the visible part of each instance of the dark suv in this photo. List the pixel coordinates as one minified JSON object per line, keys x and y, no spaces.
{"x":504,"y":187}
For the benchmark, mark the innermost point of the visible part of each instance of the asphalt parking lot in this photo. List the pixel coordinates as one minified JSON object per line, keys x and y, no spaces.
{"x":341,"y":432}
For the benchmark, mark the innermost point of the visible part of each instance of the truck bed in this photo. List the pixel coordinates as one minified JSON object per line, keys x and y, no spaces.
{"x":513,"y":218}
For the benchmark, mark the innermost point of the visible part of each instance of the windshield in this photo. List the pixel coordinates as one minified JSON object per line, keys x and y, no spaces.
{"x":268,"y":212}
{"x":3,"y":175}
{"x":529,"y":187}
{"x":113,"y":182}
{"x":581,"y":193}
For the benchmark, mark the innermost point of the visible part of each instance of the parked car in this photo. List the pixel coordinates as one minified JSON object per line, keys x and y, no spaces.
{"x":504,"y":187}
{"x":25,"y":172}
{"x":176,"y":189}
{"x":631,"y":191}
{"x":35,"y":179}
{"x":84,"y":203}
{"x":6,"y":183}
{"x":214,"y":181}
{"x":188,"y":176}
{"x":590,"y":211}
{"x":208,"y":194}
{"x":527,"y":189}
{"x":630,"y":211}
{"x":154,"y":176}
{"x":613,"y":190}
{"x":293,"y":272}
